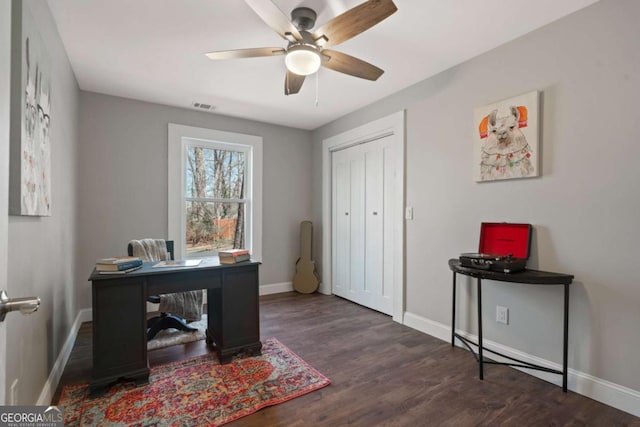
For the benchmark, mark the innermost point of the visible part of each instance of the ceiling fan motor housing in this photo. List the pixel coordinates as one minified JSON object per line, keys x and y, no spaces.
{"x":303,"y":18}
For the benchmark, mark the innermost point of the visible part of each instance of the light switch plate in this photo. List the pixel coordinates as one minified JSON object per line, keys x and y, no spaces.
{"x":408,"y":212}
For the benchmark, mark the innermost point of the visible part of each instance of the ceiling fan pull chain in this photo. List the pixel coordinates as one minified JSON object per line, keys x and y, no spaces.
{"x":317,"y":78}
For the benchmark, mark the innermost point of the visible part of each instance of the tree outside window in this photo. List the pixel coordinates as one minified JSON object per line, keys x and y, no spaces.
{"x":215,"y":200}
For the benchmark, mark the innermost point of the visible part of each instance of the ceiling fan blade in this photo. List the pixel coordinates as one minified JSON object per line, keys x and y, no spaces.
{"x":246,"y":53}
{"x":353,"y":66}
{"x":274,"y":18}
{"x":292,"y":83}
{"x":353,"y":22}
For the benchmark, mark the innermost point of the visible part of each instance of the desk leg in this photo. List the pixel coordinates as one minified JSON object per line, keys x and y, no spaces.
{"x":565,"y":349}
{"x":453,"y":312}
{"x":480,"y":359}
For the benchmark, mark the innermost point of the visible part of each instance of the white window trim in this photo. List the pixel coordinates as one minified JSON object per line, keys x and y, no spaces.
{"x":179,"y":136}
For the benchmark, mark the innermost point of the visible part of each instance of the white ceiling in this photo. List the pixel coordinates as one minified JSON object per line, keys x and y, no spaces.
{"x":153,"y":50}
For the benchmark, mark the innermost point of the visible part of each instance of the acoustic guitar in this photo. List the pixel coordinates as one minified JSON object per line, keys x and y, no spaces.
{"x":306,"y":279}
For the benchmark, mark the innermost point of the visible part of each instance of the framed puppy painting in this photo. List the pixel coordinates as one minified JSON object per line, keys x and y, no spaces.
{"x":506,"y":139}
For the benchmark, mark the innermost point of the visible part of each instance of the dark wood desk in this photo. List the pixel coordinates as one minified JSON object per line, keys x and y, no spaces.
{"x":531,"y":277}
{"x":119,"y":314}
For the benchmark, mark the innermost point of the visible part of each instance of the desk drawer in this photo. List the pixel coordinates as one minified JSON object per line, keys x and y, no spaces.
{"x":187,"y":280}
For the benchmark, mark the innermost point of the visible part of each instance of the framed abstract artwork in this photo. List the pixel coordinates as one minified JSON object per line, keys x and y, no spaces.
{"x":30,"y":117}
{"x":506,"y":139}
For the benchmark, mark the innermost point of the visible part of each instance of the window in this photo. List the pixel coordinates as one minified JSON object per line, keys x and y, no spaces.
{"x":214,"y":195}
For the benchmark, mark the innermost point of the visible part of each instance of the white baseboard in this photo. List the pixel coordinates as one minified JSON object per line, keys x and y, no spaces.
{"x":86,"y":315}
{"x":275,"y":288}
{"x":324,"y":289}
{"x":427,"y":326}
{"x":604,"y":391}
{"x":51,"y":384}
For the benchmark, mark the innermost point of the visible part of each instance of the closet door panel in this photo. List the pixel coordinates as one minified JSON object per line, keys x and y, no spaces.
{"x":374,"y":221}
{"x":390,"y":183}
{"x":341,"y":194}
{"x":357,"y":236}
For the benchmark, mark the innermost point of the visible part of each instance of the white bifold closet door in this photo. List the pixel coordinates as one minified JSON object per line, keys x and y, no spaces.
{"x":362,"y":184}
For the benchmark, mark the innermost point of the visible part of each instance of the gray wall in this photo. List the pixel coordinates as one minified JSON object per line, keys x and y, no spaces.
{"x":123,"y":181}
{"x":5,"y":56}
{"x":585,"y":206}
{"x":42,"y":253}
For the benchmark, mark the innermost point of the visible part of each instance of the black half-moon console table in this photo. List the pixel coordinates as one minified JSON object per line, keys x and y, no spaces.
{"x":530,"y":277}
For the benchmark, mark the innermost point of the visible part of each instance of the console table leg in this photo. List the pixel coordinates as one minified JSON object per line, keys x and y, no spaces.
{"x":480,"y":359}
{"x":453,"y":312}
{"x":566,"y":339}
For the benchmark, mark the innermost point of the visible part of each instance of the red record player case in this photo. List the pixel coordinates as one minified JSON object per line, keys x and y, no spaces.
{"x":503,"y":247}
{"x":502,"y":238}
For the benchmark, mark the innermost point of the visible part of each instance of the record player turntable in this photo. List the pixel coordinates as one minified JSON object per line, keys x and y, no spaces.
{"x":503,"y":247}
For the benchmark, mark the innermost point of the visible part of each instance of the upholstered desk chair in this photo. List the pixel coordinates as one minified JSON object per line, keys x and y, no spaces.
{"x":161,"y":250}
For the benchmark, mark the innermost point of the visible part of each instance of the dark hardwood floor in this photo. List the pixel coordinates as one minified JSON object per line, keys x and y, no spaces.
{"x":383,"y":373}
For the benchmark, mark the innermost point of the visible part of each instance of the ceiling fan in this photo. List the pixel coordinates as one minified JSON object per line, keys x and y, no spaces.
{"x":307,"y":50}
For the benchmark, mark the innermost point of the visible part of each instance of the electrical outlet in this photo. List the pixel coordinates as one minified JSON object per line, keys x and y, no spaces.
{"x":502,"y":314}
{"x":14,"y":392}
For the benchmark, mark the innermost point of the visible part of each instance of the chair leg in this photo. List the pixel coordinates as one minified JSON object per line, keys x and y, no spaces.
{"x":177,"y":322}
{"x":153,"y":327}
{"x":166,"y":321}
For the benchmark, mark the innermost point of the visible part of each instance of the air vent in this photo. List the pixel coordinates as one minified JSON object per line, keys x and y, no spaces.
{"x":202,"y":106}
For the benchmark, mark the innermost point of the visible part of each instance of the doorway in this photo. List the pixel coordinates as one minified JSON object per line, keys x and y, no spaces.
{"x":363,"y":206}
{"x":362,"y":185}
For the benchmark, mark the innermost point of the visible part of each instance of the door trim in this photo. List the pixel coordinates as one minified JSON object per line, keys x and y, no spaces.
{"x":393,"y":124}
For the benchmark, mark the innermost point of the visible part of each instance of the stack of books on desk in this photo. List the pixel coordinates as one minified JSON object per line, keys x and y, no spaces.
{"x":118,"y":265}
{"x":233,"y":256}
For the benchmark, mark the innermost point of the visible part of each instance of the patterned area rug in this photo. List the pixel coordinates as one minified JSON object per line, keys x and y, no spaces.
{"x":197,"y":392}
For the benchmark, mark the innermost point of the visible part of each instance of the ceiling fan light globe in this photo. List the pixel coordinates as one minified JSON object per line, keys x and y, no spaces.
{"x":302,"y":61}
